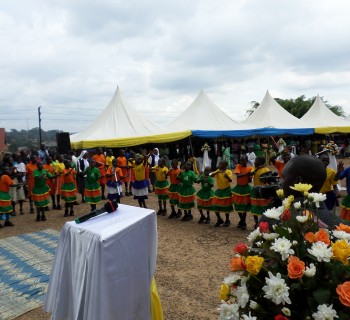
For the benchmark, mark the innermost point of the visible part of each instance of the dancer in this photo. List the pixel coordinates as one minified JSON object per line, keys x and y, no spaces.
{"x":41,"y":191}
{"x":140,"y":184}
{"x":258,"y":204}
{"x":186,"y":191}
{"x":69,"y":190}
{"x":114,"y":177}
{"x":5,"y":199}
{"x":59,"y":168}
{"x":241,"y":192}
{"x":329,"y":188}
{"x":173,"y":189}
{"x":51,"y":182}
{"x":123,"y":164}
{"x":30,"y":167}
{"x":205,"y":195}
{"x":83,"y":163}
{"x":101,"y":165}
{"x":92,"y":191}
{"x":222,"y":201}
{"x":161,"y":185}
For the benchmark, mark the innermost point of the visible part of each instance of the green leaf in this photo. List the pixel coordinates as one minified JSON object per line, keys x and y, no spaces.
{"x":322,"y":295}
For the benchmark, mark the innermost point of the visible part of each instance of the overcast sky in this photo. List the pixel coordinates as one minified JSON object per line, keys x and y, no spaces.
{"x":69,"y":56}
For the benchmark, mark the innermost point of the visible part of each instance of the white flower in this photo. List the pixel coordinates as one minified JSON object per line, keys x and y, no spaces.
{"x":253,"y":305}
{"x":242,"y":295}
{"x":270,"y":236}
{"x":317,"y":198}
{"x":232,"y":279}
{"x":282,"y":246}
{"x":254,"y":235}
{"x":259,"y":243}
{"x":297,"y":205}
{"x":321,"y":251}
{"x":302,"y":219}
{"x":310,"y":271}
{"x":248,"y":317}
{"x":294,"y":243}
{"x":286,"y":311}
{"x":228,"y":311}
{"x":289,"y":230}
{"x":325,"y":313}
{"x":276,"y":289}
{"x":274,"y":213}
{"x":339,"y":234}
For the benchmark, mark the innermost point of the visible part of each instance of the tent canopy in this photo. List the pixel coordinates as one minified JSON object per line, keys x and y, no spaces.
{"x":120,"y":125}
{"x":272,"y":119}
{"x":205,"y":119}
{"x":324,"y":120}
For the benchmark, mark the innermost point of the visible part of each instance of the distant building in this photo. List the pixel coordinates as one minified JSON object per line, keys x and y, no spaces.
{"x":3,"y":144}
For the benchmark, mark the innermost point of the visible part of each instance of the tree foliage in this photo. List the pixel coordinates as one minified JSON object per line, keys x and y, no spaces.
{"x":299,"y":106}
{"x":28,"y":138}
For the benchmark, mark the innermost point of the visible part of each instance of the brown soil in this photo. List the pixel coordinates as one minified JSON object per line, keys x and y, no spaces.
{"x":192,"y":258}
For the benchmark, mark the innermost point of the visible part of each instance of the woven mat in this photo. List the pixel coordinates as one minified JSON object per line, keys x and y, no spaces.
{"x":25,"y":266}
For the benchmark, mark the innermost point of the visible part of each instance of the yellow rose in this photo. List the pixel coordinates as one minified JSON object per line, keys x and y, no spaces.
{"x":341,"y":251}
{"x":254,"y":264}
{"x":280,"y":193}
{"x":302,"y":187}
{"x":224,"y":292}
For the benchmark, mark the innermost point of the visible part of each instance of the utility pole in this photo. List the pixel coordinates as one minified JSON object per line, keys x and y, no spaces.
{"x":39,"y":113}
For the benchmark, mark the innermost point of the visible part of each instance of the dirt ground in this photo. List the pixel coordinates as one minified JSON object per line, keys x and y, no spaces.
{"x":192,"y":258}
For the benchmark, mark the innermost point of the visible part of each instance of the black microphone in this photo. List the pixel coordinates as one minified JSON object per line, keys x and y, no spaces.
{"x":109,"y":207}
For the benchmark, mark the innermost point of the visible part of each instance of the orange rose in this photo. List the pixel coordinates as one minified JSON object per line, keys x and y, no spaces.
{"x":343,"y":291}
{"x":236,"y":264}
{"x":310,"y":236}
{"x":343,"y":227}
{"x":322,"y":235}
{"x":295,"y":267}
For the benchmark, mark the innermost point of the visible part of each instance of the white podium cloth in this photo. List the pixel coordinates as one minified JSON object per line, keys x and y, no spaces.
{"x":103,"y":267}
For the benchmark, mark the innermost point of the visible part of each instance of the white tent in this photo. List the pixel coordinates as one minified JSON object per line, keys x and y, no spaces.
{"x":121,"y":125}
{"x":272,"y":118}
{"x":204,"y":114}
{"x":324,"y":120}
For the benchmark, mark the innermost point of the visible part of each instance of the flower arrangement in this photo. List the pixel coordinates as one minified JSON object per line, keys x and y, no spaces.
{"x":332,"y":147}
{"x":293,"y":268}
{"x":205,"y":147}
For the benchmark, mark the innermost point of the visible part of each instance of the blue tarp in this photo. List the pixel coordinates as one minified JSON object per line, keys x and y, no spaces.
{"x":251,"y":132}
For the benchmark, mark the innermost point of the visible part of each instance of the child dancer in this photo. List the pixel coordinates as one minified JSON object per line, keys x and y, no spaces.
{"x":41,"y":191}
{"x":59,"y":168}
{"x":205,"y":195}
{"x":241,"y":192}
{"x":161,"y":185}
{"x":5,"y":199}
{"x":100,"y":159}
{"x":30,"y":167}
{"x":50,"y":182}
{"x":222,"y":201}
{"x":69,"y":190}
{"x":140,"y":184}
{"x":173,"y":189}
{"x":123,"y":164}
{"x":329,"y":188}
{"x":187,"y":191}
{"x":92,"y":189}
{"x":114,"y":176}
{"x":258,"y":204}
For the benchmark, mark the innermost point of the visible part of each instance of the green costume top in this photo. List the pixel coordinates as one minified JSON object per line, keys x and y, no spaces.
{"x":207,"y":183}
{"x":41,"y":182}
{"x":92,"y":175}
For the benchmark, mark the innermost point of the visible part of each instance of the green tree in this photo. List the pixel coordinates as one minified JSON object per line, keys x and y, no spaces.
{"x":299,"y":106}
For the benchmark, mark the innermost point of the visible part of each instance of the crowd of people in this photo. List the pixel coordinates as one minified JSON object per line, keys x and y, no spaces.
{"x":45,"y":177}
